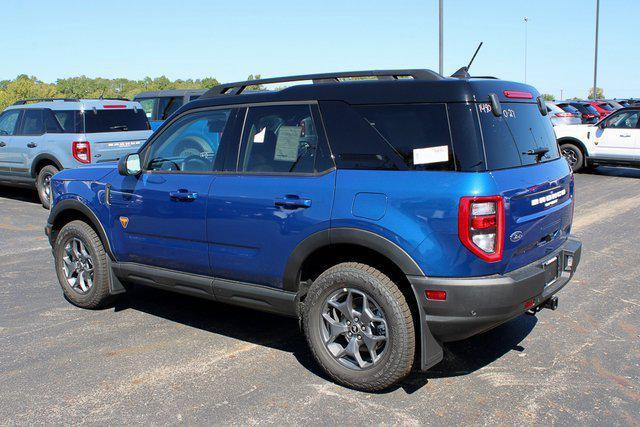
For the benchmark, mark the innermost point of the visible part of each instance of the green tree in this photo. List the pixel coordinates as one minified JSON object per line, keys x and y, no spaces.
{"x":25,"y":87}
{"x":548,"y":97}
{"x":599,"y":93}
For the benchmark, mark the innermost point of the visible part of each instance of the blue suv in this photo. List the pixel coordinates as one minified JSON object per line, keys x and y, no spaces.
{"x":389,"y":213}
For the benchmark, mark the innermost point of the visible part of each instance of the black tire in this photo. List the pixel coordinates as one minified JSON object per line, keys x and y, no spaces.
{"x":574,"y":156}
{"x":97,"y":295}
{"x":396,"y":360}
{"x":43,"y":186}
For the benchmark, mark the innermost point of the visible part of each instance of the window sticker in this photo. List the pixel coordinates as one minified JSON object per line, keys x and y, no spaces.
{"x":423,"y":156}
{"x":288,"y":143}
{"x":258,"y":138}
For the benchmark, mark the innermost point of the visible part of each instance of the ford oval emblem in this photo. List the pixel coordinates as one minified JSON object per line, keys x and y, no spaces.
{"x":515,"y":236}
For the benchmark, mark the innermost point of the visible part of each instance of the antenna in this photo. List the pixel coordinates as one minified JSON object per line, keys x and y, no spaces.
{"x":463,"y":73}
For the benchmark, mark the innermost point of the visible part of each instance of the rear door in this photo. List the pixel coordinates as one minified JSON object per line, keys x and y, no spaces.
{"x":537,"y":188}
{"x":281,"y":193}
{"x":618,"y":138}
{"x":114,"y":131}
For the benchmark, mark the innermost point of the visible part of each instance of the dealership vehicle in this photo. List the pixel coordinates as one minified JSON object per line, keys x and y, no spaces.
{"x":39,"y":137}
{"x":160,"y":104}
{"x":558,"y":116}
{"x":589,"y":114}
{"x":614,"y":140}
{"x":613,"y":104}
{"x":389,"y":213}
{"x":603,"y":108}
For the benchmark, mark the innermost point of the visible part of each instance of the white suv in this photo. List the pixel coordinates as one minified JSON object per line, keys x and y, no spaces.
{"x":615,"y":140}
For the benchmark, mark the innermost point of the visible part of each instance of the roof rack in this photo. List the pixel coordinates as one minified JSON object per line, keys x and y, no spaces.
{"x":31,"y":100}
{"x":238,"y":87}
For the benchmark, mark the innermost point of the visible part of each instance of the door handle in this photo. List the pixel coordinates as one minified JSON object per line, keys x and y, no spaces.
{"x":3,"y":144}
{"x":291,"y":201}
{"x":183,"y":195}
{"x":32,"y":145}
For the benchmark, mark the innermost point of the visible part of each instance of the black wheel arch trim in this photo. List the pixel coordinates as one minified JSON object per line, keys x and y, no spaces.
{"x":76,"y":205}
{"x":346,"y":235}
{"x":39,"y":158}
{"x":577,"y":142}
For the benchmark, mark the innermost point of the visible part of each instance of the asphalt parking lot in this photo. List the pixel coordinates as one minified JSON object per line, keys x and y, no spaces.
{"x":161,"y":358}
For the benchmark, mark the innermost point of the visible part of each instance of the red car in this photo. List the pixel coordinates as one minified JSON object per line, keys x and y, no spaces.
{"x":602,"y":107}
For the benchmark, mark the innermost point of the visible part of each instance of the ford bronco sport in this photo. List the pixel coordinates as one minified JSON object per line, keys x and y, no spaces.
{"x":389,"y":214}
{"x":39,"y":137}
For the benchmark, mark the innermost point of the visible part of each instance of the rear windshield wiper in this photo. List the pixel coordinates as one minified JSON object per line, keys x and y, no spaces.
{"x":538,"y":152}
{"x":119,"y":127}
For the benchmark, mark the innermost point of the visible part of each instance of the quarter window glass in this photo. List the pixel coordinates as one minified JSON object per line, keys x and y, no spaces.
{"x":191,"y":143}
{"x":625,"y":120}
{"x":147,"y":106}
{"x":32,"y":123}
{"x":418,"y":133}
{"x":71,"y":121}
{"x":168,"y":105}
{"x":8,"y":122}
{"x":279,"y":139}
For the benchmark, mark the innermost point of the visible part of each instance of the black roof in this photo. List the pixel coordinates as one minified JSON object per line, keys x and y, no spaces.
{"x":421,"y":86}
{"x":170,"y":92}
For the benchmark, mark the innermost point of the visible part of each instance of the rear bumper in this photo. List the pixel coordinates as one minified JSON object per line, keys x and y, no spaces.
{"x":476,"y":304}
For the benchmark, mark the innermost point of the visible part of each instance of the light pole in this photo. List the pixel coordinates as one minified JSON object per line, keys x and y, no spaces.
{"x":561,"y":97}
{"x":525,"y":48}
{"x":595,"y":61}
{"x":440,"y":38}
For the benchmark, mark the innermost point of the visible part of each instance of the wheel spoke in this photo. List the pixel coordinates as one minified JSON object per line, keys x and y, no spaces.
{"x":335,"y":328}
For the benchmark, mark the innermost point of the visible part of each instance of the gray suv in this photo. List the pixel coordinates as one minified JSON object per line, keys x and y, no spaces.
{"x":40,"y":137}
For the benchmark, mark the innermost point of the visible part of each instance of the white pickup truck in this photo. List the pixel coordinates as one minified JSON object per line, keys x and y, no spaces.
{"x":615,"y":140}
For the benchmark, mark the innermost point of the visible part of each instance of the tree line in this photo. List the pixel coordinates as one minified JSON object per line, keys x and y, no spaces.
{"x":27,"y":87}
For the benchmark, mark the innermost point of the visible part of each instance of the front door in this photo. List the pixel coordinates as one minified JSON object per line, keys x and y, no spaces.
{"x":9,"y":159}
{"x":281,"y":193}
{"x":620,"y":137}
{"x":158,"y":218}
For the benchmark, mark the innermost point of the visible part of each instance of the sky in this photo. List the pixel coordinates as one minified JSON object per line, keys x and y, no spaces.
{"x":231,"y":39}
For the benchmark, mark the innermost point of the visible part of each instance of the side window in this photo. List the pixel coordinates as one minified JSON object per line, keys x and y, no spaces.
{"x":624,"y":120}
{"x":147,"y":106}
{"x":279,"y":138}
{"x":71,"y":121}
{"x":32,"y":123}
{"x":50,"y":123}
{"x":191,"y":143}
{"x":168,"y":105}
{"x":9,"y":122}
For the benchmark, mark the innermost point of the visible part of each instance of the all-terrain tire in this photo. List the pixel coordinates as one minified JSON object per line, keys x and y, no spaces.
{"x":397,"y":359}
{"x":43,"y":185}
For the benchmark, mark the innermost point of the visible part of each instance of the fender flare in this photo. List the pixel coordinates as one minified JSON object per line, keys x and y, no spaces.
{"x":44,"y":156}
{"x":346,"y":235}
{"x":575,"y":141}
{"x":76,"y":205}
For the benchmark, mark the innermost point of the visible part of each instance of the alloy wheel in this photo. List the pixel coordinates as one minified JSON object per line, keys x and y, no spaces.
{"x":354,"y":329}
{"x":571,"y":156}
{"x":78,"y":266}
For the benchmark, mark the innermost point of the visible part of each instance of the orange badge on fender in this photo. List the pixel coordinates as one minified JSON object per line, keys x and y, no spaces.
{"x":124,"y":221}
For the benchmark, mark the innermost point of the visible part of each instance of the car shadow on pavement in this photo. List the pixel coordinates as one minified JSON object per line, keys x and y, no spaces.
{"x":21,"y":194}
{"x":283,"y":333}
{"x":617,"y":171}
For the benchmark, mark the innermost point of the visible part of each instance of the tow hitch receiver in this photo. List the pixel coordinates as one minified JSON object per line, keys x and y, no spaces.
{"x":551,"y":304}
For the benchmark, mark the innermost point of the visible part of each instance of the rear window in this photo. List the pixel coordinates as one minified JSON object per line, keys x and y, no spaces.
{"x":605,"y":106}
{"x":569,"y":109}
{"x":116,"y":120}
{"x":419,"y":134}
{"x":520,"y":137}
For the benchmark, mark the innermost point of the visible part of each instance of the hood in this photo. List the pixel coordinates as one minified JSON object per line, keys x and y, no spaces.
{"x":87,"y":173}
{"x":576,"y":131}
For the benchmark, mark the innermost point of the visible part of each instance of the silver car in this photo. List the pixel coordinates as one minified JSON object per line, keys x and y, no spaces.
{"x":560,"y":117}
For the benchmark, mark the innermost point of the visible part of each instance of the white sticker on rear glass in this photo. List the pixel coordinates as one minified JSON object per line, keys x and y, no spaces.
{"x":258,"y":138}
{"x":288,"y":143}
{"x":423,"y":156}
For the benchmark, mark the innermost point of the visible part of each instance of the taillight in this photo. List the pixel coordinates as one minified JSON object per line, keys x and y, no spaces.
{"x":81,"y":151}
{"x":481,"y":226}
{"x":564,"y":115}
{"x":588,"y":116}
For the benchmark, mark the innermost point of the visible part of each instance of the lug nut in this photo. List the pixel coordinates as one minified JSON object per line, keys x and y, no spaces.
{"x":348,"y":323}
{"x":356,"y":319}
{"x":359,"y":337}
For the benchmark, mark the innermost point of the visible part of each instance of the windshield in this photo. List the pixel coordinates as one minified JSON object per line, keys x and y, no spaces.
{"x":115,"y":120}
{"x":520,"y":137}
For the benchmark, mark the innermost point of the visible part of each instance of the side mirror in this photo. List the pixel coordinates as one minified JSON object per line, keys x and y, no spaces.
{"x":129,"y":164}
{"x":602,"y":125}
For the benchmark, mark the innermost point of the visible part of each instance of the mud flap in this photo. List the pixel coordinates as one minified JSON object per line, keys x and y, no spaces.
{"x":430,"y":349}
{"x":115,"y":285}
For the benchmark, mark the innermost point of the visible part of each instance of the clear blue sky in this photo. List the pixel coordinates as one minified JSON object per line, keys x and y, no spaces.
{"x":231,"y":39}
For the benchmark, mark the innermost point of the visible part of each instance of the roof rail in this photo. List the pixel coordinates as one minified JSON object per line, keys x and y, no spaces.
{"x":238,"y":87}
{"x":31,"y":100}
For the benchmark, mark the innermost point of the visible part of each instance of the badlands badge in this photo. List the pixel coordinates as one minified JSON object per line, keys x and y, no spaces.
{"x":124,"y":221}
